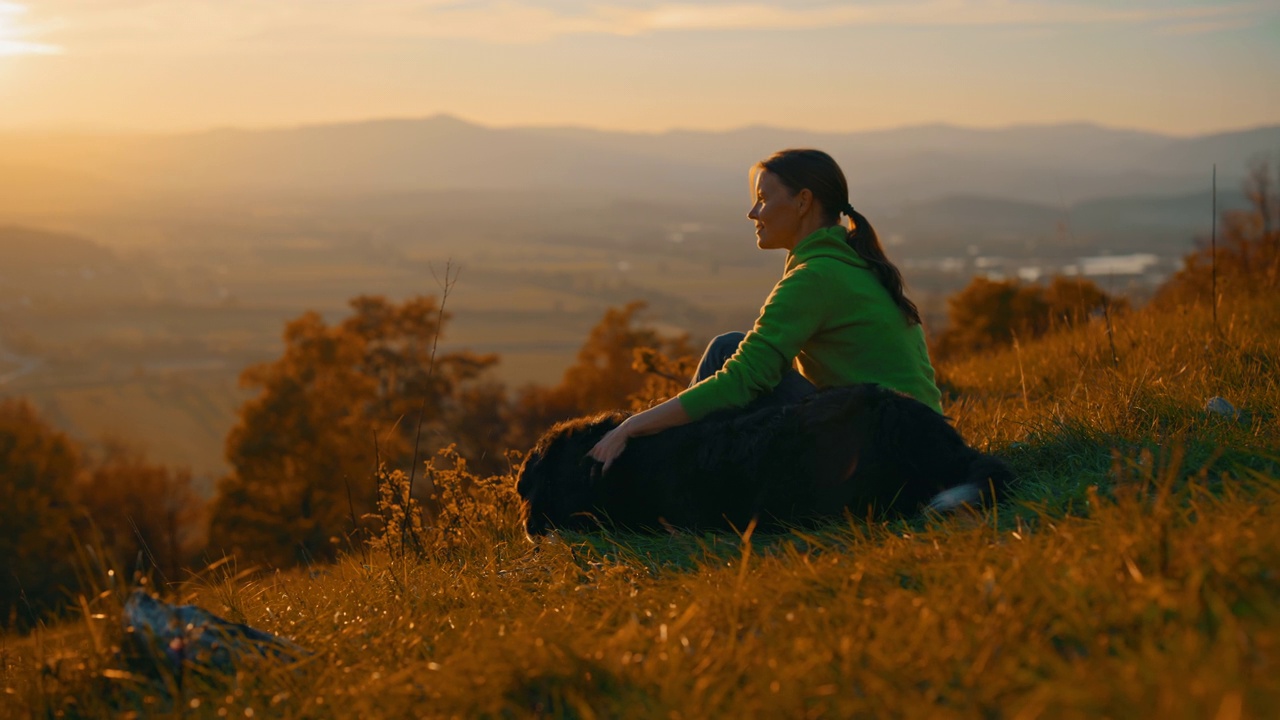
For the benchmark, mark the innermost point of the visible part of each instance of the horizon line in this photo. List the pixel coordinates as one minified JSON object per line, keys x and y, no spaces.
{"x":117,"y":131}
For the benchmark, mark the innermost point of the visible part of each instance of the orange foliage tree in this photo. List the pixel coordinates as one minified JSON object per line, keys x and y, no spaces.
{"x":623,"y":364}
{"x":141,"y":507}
{"x":339,"y":401}
{"x":1248,"y":248}
{"x":38,"y":466}
{"x":989,"y":314}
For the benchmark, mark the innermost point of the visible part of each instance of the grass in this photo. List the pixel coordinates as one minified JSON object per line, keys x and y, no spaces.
{"x":1134,"y":575}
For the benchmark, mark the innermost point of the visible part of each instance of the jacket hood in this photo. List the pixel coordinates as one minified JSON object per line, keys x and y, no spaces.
{"x":827,"y":242}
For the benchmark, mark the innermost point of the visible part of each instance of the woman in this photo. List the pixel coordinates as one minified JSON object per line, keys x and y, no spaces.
{"x":838,"y":316}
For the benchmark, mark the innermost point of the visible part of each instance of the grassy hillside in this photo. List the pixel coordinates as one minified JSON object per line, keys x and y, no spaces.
{"x":1134,"y":575}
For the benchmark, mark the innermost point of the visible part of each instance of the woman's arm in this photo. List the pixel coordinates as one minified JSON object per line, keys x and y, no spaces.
{"x":795,"y":310}
{"x":656,"y":419}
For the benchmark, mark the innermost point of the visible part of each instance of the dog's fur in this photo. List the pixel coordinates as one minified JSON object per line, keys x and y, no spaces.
{"x":863,"y":448}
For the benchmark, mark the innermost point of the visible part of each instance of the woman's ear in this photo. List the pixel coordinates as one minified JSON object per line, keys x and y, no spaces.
{"x":804,"y":201}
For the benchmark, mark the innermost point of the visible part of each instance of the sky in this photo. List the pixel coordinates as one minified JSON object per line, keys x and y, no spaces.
{"x":1181,"y":67}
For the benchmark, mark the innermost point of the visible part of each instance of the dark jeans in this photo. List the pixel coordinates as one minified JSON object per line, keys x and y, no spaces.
{"x":792,"y":388}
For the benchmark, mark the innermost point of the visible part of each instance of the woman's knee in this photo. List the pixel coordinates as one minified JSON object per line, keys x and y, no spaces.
{"x":718,"y":351}
{"x":728,"y":341}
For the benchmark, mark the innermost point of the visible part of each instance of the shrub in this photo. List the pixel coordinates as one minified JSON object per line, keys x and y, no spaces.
{"x":338,"y":402}
{"x":1247,"y":253}
{"x":138,"y":506}
{"x":990,"y":314}
{"x":38,"y":466}
{"x":457,"y":507}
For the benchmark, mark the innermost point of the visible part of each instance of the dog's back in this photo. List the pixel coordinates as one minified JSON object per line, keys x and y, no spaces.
{"x":862,"y":448}
{"x":927,"y":457}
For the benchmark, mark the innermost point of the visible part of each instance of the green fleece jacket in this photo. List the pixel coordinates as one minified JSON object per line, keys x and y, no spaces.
{"x":832,"y":318}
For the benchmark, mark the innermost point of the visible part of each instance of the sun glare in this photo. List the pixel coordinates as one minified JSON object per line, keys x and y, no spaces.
{"x":11,"y":34}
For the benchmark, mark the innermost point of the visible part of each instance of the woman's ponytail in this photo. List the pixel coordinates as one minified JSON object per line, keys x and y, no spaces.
{"x":864,"y":241}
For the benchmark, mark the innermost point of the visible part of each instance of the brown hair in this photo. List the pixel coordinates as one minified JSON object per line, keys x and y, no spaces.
{"x":815,"y":170}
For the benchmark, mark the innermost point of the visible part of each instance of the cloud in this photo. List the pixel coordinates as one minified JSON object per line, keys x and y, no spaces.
{"x":1204,"y":28}
{"x":195,"y":26}
{"x":14,"y":47}
{"x":11,"y":42}
{"x":928,"y":13}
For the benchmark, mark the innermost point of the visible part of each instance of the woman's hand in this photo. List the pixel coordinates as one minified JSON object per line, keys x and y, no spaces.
{"x":655,"y":419}
{"x":611,"y":446}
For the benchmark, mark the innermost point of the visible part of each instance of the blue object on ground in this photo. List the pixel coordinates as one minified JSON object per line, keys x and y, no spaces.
{"x":178,"y":635}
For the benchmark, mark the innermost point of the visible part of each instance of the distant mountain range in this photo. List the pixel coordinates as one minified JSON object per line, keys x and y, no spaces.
{"x":1055,"y":165}
{"x":26,"y":250}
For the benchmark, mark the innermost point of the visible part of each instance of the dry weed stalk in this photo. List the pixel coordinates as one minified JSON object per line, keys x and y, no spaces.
{"x":446,"y":285}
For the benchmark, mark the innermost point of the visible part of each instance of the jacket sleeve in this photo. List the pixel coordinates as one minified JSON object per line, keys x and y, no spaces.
{"x":793,"y":312}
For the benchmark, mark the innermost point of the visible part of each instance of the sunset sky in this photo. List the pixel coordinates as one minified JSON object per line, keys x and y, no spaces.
{"x":1176,"y":66}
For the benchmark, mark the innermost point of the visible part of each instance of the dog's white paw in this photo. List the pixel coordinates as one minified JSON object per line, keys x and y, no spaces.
{"x":955,"y":498}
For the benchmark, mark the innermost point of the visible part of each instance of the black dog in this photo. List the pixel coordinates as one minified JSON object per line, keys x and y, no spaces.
{"x":862,"y":448}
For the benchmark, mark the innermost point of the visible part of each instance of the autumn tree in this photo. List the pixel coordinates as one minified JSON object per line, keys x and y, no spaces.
{"x":137,"y":506}
{"x":1247,"y":251}
{"x":989,"y":314}
{"x":622,"y":364}
{"x":38,"y":466}
{"x":1071,"y":300}
{"x":339,"y":401}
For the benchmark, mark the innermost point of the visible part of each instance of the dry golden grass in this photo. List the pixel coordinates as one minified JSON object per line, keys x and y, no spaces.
{"x":1134,"y":576}
{"x":1140,"y":375}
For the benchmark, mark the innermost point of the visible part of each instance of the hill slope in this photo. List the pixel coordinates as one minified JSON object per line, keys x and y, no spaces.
{"x":1135,"y":578}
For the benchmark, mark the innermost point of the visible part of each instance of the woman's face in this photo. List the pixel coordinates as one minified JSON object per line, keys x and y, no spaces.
{"x":776,"y":213}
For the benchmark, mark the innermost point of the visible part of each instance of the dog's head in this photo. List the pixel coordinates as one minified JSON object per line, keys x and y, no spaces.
{"x":557,"y":480}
